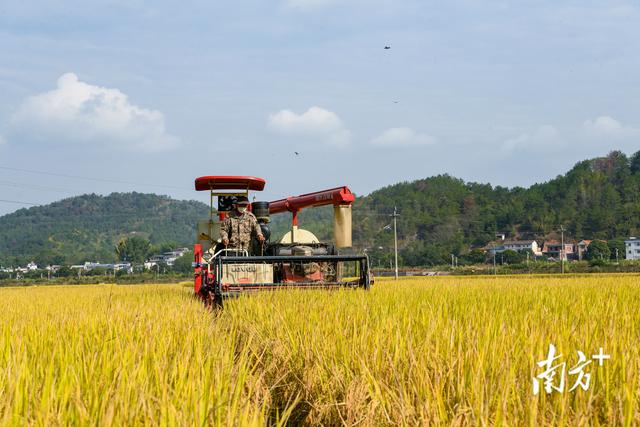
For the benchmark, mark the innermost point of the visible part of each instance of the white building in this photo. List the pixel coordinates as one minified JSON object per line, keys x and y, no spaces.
{"x":126,"y":266}
{"x":632,"y":248}
{"x":88,"y":266}
{"x":168,"y":258}
{"x":32,"y":266}
{"x":517,"y":245}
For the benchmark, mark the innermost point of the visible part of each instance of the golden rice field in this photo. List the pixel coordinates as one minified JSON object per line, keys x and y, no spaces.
{"x":428,"y":351}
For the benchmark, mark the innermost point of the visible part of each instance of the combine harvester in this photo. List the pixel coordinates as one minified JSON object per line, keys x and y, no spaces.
{"x":297,"y":260}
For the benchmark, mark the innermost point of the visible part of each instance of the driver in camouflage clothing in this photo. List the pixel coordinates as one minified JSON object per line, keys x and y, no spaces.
{"x":237,"y":228}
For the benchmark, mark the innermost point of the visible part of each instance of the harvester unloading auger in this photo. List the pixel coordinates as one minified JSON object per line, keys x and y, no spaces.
{"x":297,"y":260}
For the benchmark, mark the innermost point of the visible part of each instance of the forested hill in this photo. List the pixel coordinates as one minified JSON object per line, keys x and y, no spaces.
{"x":439,"y":216}
{"x":88,"y":227}
{"x":442,"y":215}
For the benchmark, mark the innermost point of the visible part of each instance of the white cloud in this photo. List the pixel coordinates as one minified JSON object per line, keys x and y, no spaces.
{"x":605,"y":126}
{"x":402,"y":137}
{"x":544,"y":137}
{"x":315,"y":119}
{"x":316,"y":122}
{"x":80,"y":113}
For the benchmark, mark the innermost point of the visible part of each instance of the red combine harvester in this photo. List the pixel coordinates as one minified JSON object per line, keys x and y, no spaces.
{"x":296,"y":260}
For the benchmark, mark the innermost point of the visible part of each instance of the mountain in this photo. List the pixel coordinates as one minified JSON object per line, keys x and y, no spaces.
{"x":442,"y":215}
{"x":439,"y":216}
{"x":88,"y":227}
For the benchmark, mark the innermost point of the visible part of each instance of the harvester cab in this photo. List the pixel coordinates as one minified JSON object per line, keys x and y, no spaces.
{"x":298,"y":259}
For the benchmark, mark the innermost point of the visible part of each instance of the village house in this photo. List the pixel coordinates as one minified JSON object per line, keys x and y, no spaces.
{"x":32,"y":266}
{"x":517,"y":246}
{"x":167,"y":258}
{"x":581,"y":248}
{"x":88,"y":266}
{"x":555,"y":250}
{"x":632,"y":248}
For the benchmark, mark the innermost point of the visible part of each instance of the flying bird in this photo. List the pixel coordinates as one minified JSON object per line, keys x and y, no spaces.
{"x":395,"y":102}
{"x":297,"y":154}
{"x":387,"y":47}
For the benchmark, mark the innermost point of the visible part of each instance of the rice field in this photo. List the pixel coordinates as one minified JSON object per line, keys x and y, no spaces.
{"x":420,"y":351}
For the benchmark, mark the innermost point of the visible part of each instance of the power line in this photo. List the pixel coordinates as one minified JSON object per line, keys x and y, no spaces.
{"x":92,"y":179}
{"x":19,"y":203}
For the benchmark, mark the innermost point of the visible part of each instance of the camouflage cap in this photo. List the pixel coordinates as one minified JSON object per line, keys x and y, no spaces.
{"x":241,"y":200}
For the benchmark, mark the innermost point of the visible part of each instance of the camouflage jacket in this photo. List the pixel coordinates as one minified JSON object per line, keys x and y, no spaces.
{"x":237,"y":228}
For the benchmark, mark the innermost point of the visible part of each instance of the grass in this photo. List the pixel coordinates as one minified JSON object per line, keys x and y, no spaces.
{"x":439,"y":351}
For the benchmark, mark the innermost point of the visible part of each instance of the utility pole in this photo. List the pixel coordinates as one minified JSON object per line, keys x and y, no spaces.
{"x":395,"y":237}
{"x":452,"y":260}
{"x":494,"y":261}
{"x":562,"y":249}
{"x":617,"y":260}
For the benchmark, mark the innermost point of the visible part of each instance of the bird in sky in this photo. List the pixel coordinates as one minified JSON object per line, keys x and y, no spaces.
{"x":387,"y":47}
{"x":296,"y":153}
{"x":395,"y":102}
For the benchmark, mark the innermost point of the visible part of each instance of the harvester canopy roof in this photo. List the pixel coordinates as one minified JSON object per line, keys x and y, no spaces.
{"x":223,"y":182}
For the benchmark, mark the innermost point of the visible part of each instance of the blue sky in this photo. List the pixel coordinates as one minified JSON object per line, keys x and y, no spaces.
{"x":509,"y":93}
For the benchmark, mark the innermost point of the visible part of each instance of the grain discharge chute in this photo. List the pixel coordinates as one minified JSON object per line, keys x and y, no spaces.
{"x":296,"y":260}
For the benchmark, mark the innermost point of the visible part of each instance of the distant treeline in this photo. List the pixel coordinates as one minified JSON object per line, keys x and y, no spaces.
{"x":440,"y":216}
{"x":90,"y":227}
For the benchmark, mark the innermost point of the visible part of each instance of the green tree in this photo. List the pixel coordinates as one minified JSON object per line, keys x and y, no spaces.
{"x":58,"y":259}
{"x":616,"y":244}
{"x":511,"y":257}
{"x":97,"y":272}
{"x":183,"y":264}
{"x":163,"y":247}
{"x":476,"y":256}
{"x":598,"y":250}
{"x":65,"y":271}
{"x":635,"y":163}
{"x":133,"y":249}
{"x":88,"y":227}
